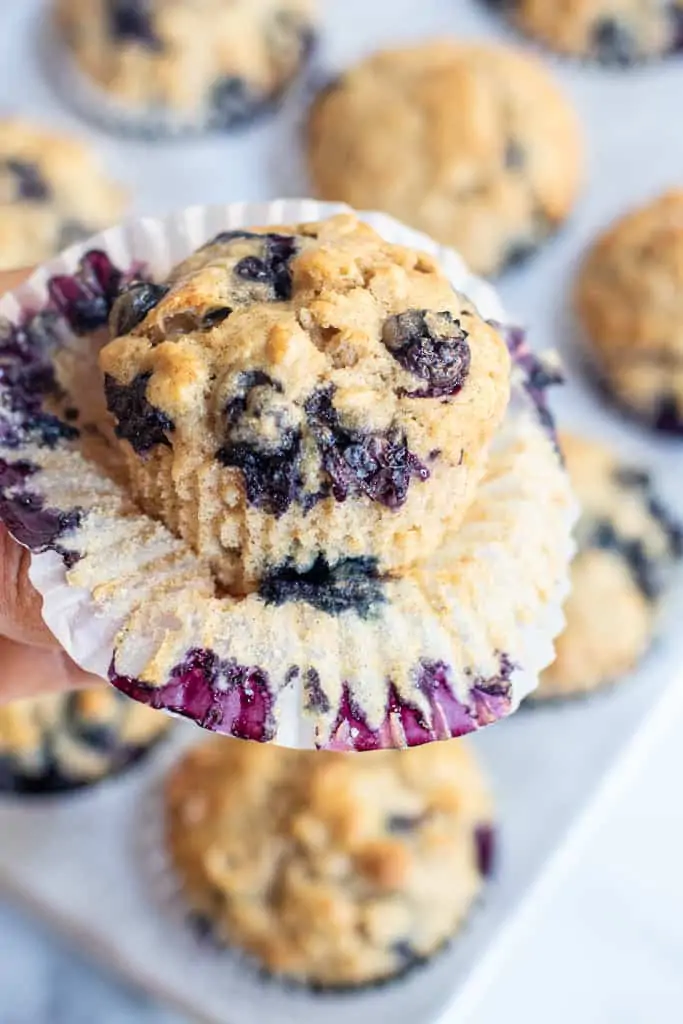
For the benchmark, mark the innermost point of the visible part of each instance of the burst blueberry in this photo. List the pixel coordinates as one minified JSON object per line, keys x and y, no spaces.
{"x":137,"y":420}
{"x":431,"y":346}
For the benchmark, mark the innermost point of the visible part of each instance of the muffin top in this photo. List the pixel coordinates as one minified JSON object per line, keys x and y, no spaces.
{"x":629,"y":296}
{"x":627,"y":544}
{"x":315,"y":365}
{"x":611,"y":31}
{"x":75,"y":736}
{"x":473,"y":144}
{"x":332,"y":869}
{"x":52,"y":192}
{"x":212,"y":60}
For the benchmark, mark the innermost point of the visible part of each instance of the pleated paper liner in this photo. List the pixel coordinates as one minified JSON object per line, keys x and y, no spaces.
{"x":453,"y":646}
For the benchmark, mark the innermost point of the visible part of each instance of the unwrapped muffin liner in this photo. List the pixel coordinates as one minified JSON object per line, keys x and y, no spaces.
{"x":457,"y":643}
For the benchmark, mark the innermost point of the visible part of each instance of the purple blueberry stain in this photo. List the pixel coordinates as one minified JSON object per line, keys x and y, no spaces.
{"x":353,"y":584}
{"x":85,"y":299}
{"x":137,"y":420}
{"x":538,"y":376}
{"x":431,"y":346}
{"x":379,"y":466}
{"x":220,"y":695}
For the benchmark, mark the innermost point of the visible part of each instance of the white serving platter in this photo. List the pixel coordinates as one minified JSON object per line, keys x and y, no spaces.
{"x":79,"y":862}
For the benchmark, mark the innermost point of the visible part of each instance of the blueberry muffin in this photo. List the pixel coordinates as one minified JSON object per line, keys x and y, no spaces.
{"x":327,"y":869}
{"x":197,"y":63}
{"x":60,"y":742}
{"x":303,"y":400}
{"x":611,"y":31}
{"x":52,"y":192}
{"x":627,"y":543}
{"x":629,"y":298}
{"x":473,"y":144}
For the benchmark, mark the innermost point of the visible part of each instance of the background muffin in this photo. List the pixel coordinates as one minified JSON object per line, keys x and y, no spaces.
{"x":52,"y":192}
{"x":627,"y":544}
{"x":612,"y":31}
{"x":203,"y":63}
{"x":65,"y":741}
{"x":629,"y":298}
{"x":473,"y":144}
{"x":329,"y":869}
{"x":297,"y":400}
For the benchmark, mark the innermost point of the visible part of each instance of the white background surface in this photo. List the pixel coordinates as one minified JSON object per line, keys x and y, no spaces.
{"x":608,"y":947}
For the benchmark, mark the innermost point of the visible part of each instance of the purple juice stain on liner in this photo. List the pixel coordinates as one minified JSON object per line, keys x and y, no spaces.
{"x":221,"y":696}
{"x":538,"y":375}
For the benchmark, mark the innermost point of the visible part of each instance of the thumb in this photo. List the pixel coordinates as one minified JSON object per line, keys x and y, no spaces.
{"x":20,"y":603}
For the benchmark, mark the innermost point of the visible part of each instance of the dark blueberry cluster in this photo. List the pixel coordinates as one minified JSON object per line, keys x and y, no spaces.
{"x":85,"y":299}
{"x":379,"y":466}
{"x":262,"y":441}
{"x":613,"y":42}
{"x":137,"y":420}
{"x":29,"y":182}
{"x":431,"y":346}
{"x":272,"y":268}
{"x":351,"y":585}
{"x":132,"y":21}
{"x":26,"y":380}
{"x":134,"y":302}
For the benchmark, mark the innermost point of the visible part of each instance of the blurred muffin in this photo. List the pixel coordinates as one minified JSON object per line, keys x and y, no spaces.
{"x":52,"y":193}
{"x":473,"y":144}
{"x":197,"y":63}
{"x":627,"y":543}
{"x":331,"y":870}
{"x":610,"y":31}
{"x":629,"y":298}
{"x":312,"y":398}
{"x":60,"y":742}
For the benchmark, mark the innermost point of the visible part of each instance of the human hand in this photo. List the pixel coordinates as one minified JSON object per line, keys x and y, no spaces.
{"x":31,"y":660}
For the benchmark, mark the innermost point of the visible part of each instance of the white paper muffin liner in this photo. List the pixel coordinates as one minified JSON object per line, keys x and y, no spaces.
{"x":104,"y":109}
{"x":455,"y":645}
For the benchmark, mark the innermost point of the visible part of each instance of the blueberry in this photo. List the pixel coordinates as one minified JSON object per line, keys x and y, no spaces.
{"x":133,"y":304}
{"x":137,"y":420}
{"x":131,"y":21}
{"x":351,"y":585}
{"x":612,"y":42}
{"x":380,"y":466}
{"x":669,"y":417}
{"x":263,"y":440}
{"x":485,"y":846}
{"x":404,"y":824}
{"x":515,"y":155}
{"x":214,"y":317}
{"x":232,"y":103}
{"x":273,"y":267}
{"x":30,"y":183}
{"x":85,"y":298}
{"x":431,"y":346}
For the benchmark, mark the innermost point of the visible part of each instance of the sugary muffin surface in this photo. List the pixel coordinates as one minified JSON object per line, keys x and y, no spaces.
{"x":629,"y":297}
{"x":52,"y":192}
{"x":473,"y":144}
{"x":627,"y":545}
{"x":306,"y":397}
{"x":332,"y":870}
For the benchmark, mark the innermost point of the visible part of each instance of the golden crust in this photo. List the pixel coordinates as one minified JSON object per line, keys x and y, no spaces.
{"x":196,"y":45}
{"x":78,"y":199}
{"x":629,"y":297}
{"x":329,"y":868}
{"x":646,"y":27}
{"x":473,"y":144}
{"x":346,"y":284}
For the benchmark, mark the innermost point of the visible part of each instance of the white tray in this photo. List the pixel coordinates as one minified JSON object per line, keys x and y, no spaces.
{"x":77,"y":861}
